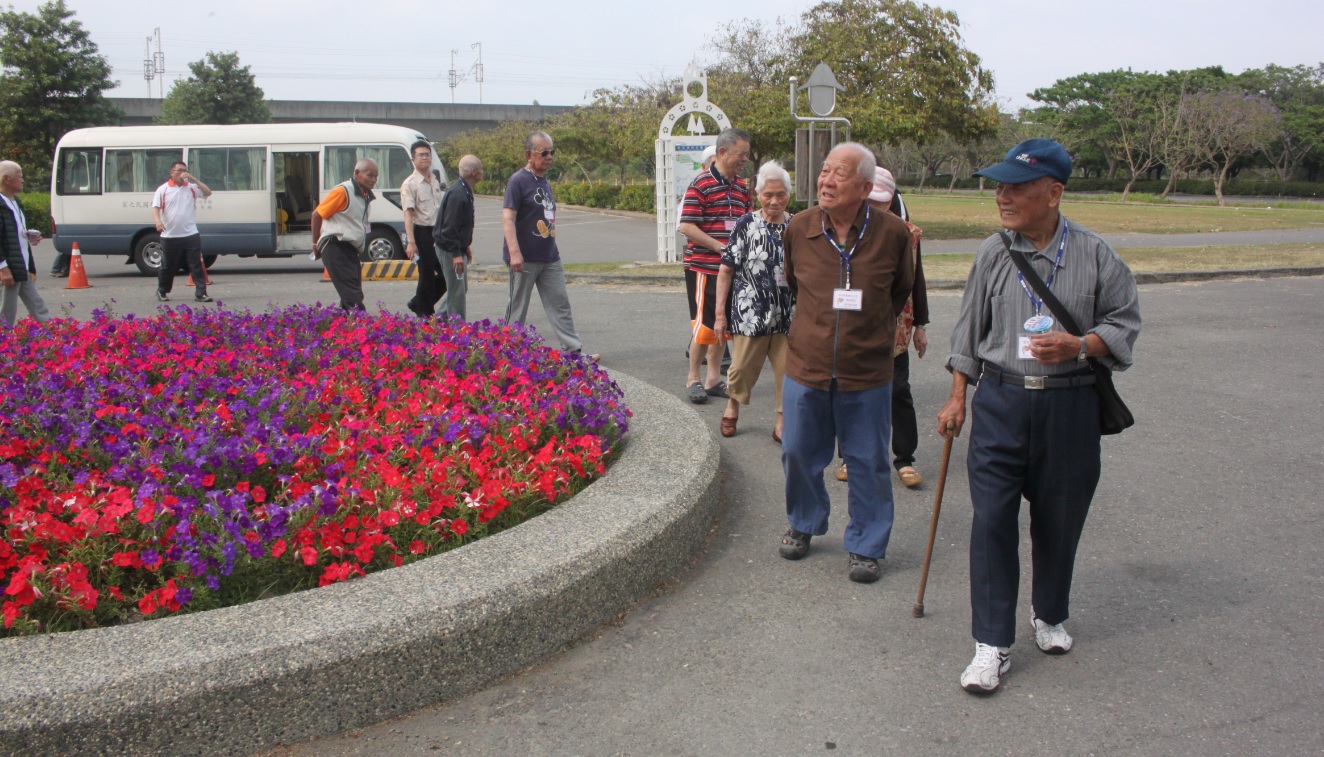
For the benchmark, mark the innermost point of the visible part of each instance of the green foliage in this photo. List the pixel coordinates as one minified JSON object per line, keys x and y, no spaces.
{"x":501,"y":149}
{"x":220,"y":91}
{"x":640,"y":197}
{"x":906,"y":73}
{"x":52,"y":82}
{"x":37,"y":210}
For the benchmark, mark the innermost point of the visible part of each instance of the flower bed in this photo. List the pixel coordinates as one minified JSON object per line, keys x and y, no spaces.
{"x":199,"y":459}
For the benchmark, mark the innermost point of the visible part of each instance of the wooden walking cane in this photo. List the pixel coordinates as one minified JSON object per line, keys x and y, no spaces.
{"x":918,"y":610}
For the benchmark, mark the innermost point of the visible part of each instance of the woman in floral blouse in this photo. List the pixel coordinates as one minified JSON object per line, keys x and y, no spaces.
{"x":753,"y":301}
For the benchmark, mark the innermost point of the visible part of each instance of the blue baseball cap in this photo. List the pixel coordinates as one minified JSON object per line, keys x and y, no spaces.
{"x":1030,"y":160}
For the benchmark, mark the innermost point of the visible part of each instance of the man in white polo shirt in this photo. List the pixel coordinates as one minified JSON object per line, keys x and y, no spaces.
{"x":174,"y":207}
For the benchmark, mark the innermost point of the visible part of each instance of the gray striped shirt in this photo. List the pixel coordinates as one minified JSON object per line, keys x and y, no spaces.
{"x":1094,"y":284}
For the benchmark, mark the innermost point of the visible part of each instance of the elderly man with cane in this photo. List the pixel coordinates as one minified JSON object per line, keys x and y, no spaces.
{"x":1035,"y":429}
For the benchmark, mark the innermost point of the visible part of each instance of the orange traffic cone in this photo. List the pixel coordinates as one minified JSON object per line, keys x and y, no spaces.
{"x":204,"y":274}
{"x":326,"y":275}
{"x":77,"y":273}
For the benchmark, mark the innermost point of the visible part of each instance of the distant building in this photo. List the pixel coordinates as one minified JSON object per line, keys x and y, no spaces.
{"x":439,"y":121}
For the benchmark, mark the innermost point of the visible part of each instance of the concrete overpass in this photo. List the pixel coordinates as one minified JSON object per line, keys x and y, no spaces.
{"x":439,"y":121}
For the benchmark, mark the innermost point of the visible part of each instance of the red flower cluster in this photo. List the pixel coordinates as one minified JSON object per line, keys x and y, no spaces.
{"x":195,"y":460}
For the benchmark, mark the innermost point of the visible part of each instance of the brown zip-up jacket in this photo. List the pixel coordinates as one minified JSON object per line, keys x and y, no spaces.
{"x":854,"y":347}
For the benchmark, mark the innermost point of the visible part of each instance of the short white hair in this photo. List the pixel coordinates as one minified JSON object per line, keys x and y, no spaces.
{"x":772,"y":171}
{"x":9,"y":168}
{"x":865,"y":160}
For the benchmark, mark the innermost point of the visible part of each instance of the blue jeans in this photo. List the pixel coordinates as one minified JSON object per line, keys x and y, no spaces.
{"x":860,"y":423}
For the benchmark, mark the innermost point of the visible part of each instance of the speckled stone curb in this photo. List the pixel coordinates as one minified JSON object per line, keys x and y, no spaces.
{"x":236,"y":680}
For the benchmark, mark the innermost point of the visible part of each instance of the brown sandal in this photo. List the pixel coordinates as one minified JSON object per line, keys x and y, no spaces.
{"x":728,"y":426}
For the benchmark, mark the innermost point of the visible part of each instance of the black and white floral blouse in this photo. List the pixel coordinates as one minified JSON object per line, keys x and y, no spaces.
{"x":758,"y":304}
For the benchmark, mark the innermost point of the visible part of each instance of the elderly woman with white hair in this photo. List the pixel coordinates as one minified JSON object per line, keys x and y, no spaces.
{"x":753,"y":300}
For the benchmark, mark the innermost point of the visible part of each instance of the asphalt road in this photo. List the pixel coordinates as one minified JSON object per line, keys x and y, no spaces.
{"x":1199,"y":594}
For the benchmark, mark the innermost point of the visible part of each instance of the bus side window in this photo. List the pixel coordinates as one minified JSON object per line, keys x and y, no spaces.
{"x":79,"y":171}
{"x":139,"y":170}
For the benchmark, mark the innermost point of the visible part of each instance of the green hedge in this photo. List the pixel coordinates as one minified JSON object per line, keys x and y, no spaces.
{"x":37,"y":209}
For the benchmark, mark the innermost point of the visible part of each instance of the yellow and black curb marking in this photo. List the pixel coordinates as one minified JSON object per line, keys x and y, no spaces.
{"x":391,"y":270}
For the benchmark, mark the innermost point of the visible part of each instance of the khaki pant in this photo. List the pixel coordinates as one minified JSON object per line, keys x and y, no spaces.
{"x":747,"y":356}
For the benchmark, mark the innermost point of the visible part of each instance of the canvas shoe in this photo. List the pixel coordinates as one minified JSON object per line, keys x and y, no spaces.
{"x":984,"y":673}
{"x":1050,"y":639}
{"x":204,"y":297}
{"x":162,"y":296}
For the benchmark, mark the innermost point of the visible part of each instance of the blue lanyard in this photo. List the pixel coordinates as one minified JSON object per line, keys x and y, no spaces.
{"x":1035,"y":301}
{"x":845,"y":254}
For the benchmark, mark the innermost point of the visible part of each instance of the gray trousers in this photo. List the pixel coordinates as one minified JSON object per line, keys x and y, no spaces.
{"x":342,"y":265}
{"x":550,"y":280}
{"x":26,"y":291}
{"x":453,"y":303}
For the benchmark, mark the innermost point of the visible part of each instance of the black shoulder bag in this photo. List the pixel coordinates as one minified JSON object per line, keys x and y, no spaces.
{"x":1114,"y":416}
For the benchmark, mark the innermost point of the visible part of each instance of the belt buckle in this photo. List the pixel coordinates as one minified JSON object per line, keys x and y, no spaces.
{"x":1034,"y":382}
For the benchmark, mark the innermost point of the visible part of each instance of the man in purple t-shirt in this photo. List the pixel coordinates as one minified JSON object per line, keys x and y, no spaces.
{"x":528,"y":220}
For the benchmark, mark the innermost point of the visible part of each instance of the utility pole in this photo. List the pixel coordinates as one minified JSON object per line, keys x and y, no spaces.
{"x":454,"y":75}
{"x":154,"y":64}
{"x":478,"y":70}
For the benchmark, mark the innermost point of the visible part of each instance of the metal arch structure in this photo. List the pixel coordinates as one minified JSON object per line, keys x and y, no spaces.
{"x":681,"y":139}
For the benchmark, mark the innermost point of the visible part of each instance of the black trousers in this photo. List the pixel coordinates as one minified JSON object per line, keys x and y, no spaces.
{"x":431,"y":282}
{"x":182,"y":255}
{"x":1042,"y":445}
{"x":905,"y":428}
{"x":342,"y":265}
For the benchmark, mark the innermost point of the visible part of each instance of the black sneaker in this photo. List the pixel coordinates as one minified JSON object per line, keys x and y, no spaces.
{"x":162,"y":296}
{"x":204,"y":297}
{"x":795,"y":544}
{"x":864,"y":570}
{"x":61,"y":274}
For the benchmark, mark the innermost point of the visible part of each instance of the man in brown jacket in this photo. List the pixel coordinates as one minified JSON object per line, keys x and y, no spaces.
{"x":850,"y":270}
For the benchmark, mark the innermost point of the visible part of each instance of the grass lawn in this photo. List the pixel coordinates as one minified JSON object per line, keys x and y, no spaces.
{"x":976,"y":217}
{"x":1141,"y":259}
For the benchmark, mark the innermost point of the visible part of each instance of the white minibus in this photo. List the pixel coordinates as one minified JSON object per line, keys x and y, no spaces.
{"x":265,"y":181}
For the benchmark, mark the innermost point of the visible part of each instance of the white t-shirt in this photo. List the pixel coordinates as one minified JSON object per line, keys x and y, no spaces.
{"x":178,"y":204}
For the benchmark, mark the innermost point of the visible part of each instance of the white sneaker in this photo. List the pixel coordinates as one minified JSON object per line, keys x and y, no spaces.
{"x":1051,"y":639}
{"x":985,"y":672}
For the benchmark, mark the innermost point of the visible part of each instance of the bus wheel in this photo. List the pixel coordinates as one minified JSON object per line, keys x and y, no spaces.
{"x":209,"y":260}
{"x":149,"y":254}
{"x":382,"y":244}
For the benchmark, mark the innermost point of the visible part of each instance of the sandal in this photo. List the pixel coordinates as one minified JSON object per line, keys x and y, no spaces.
{"x":697,"y":394}
{"x":728,"y":426}
{"x":716,"y":390}
{"x":841,"y":472}
{"x":910,"y":477}
{"x":794,"y":544}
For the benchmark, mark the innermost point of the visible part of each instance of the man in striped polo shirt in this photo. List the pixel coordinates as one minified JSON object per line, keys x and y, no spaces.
{"x":715,"y":200}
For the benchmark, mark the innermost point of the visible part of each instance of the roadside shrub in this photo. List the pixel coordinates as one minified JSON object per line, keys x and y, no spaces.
{"x":37,"y":209}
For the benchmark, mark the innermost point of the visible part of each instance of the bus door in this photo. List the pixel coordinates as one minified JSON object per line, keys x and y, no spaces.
{"x":296,"y":182}
{"x":238,"y":218}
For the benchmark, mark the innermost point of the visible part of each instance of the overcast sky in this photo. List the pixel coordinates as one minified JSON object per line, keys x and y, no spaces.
{"x":557,"y":52}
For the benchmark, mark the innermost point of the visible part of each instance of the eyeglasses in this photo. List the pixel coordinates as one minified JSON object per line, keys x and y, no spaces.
{"x":544,"y":153}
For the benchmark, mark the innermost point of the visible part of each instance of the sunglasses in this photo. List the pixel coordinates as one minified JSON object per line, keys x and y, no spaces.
{"x":544,"y":153}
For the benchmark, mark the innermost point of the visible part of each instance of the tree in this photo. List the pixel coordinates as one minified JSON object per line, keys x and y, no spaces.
{"x":906,"y":73}
{"x":1298,"y":94}
{"x":1076,"y":112}
{"x":1228,"y":125}
{"x":218,"y":92}
{"x":52,"y":82}
{"x":617,"y":129}
{"x":749,"y":82}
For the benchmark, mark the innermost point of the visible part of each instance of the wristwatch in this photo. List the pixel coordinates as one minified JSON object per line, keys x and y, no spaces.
{"x":1084,"y":349}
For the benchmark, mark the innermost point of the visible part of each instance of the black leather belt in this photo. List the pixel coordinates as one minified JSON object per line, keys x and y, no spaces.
{"x":1038,"y":382}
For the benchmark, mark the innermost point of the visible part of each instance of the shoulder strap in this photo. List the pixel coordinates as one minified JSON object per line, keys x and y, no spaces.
{"x":1040,"y":288}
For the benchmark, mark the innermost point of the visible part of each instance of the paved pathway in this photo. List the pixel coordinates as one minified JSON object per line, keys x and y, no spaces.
{"x":1198,"y":600}
{"x":1199,"y":596}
